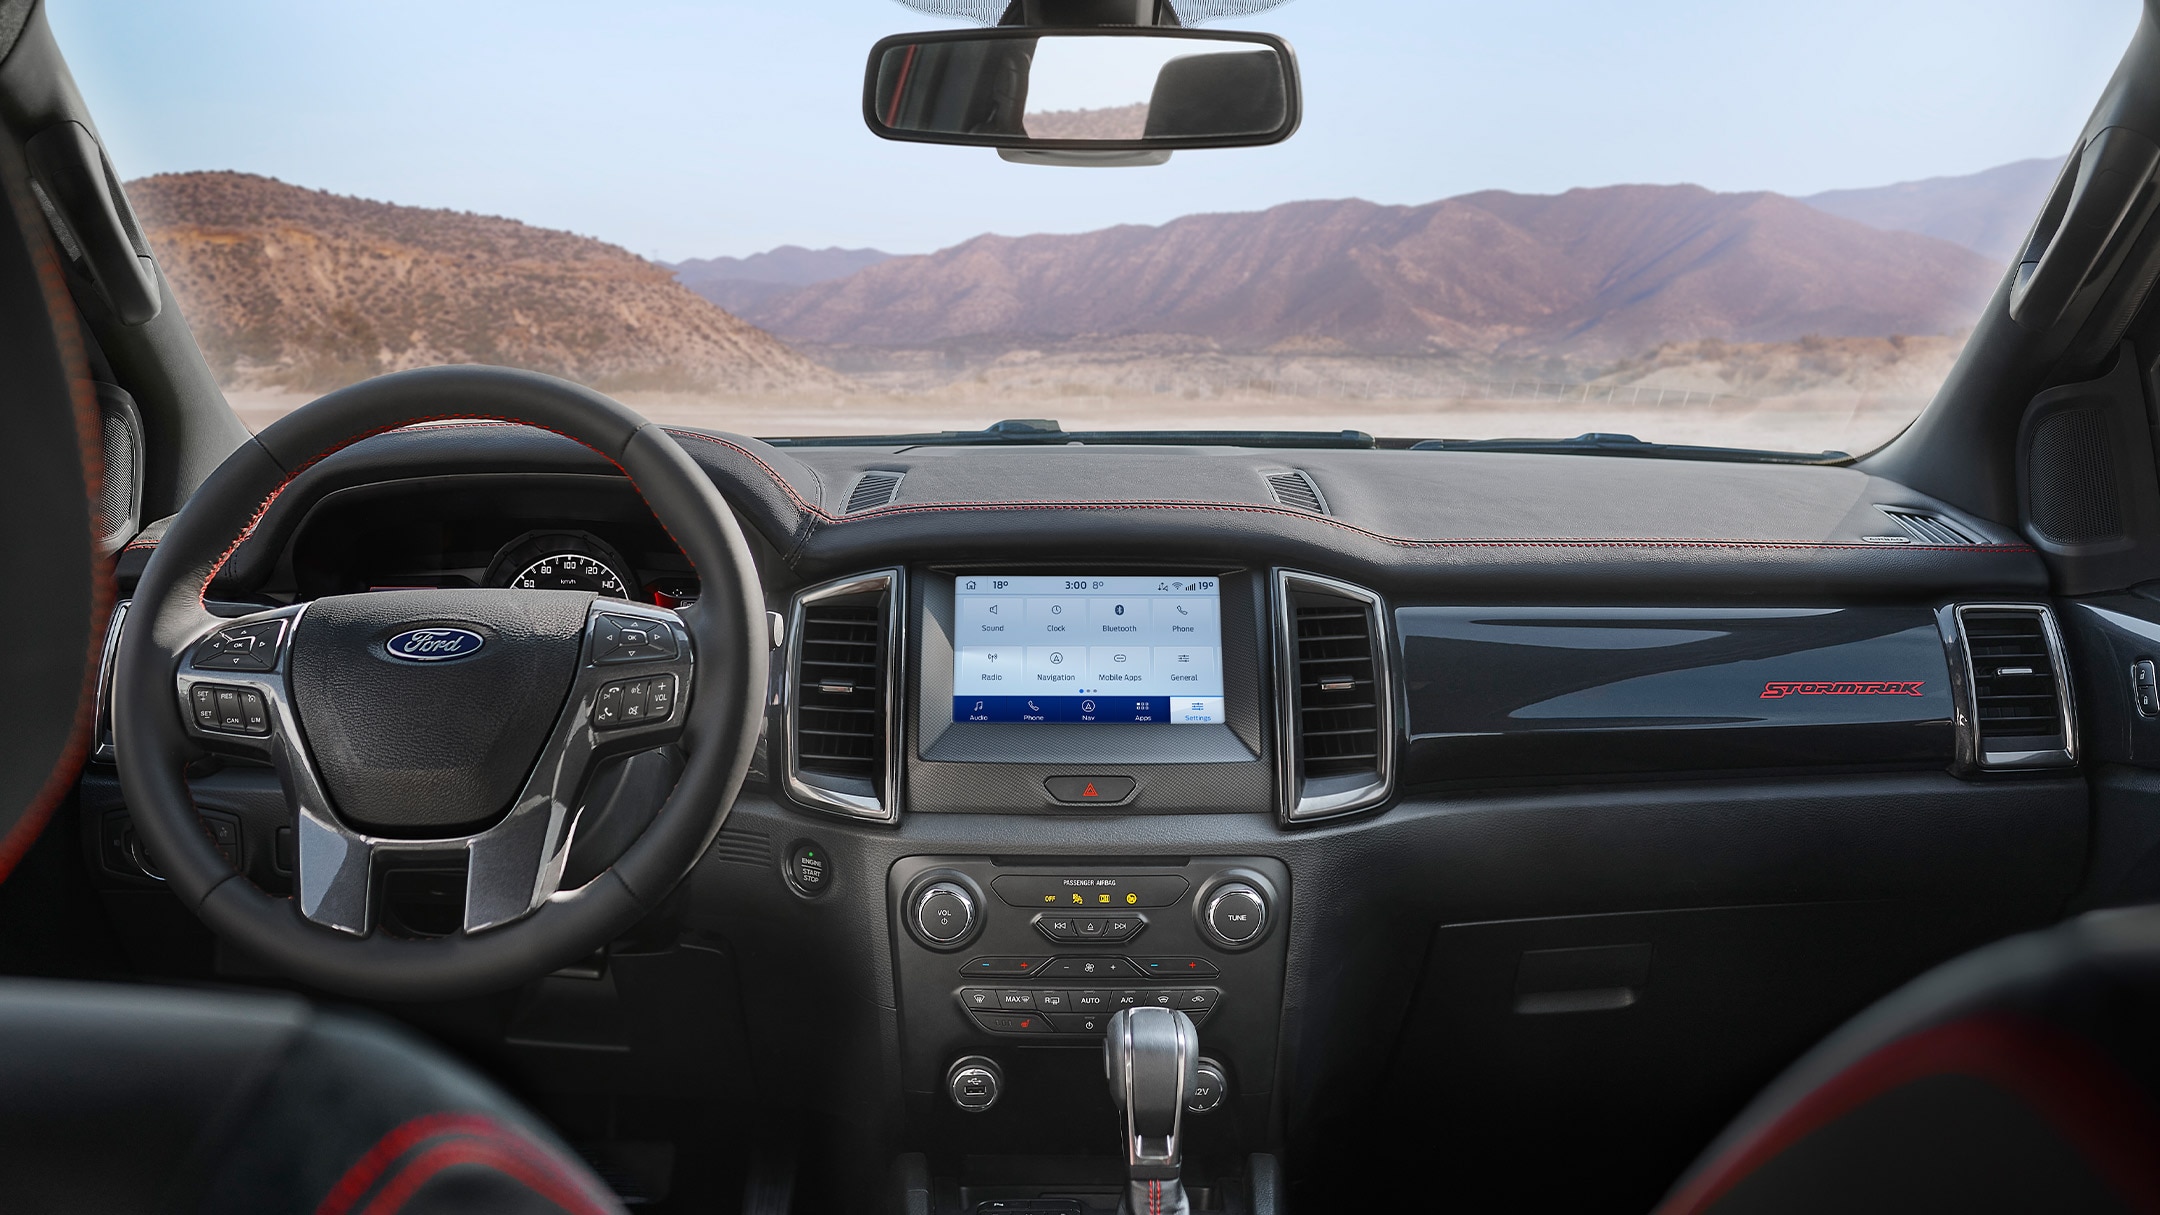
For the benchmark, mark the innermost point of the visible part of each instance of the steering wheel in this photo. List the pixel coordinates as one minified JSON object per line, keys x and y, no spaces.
{"x":437,"y":728}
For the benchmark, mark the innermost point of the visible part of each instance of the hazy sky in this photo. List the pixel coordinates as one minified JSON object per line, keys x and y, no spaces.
{"x":683,"y":129}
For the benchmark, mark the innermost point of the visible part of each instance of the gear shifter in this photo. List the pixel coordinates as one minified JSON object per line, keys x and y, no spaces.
{"x":1152,"y":1055}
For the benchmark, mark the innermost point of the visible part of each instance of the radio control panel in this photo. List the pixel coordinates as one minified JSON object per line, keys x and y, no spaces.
{"x":993,"y":958}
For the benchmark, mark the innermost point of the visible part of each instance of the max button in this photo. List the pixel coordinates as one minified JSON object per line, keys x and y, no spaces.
{"x":1089,"y":790}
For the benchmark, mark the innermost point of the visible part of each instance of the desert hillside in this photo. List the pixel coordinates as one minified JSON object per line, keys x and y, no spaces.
{"x":1988,"y":212}
{"x":303,"y":290}
{"x":1590,"y":274}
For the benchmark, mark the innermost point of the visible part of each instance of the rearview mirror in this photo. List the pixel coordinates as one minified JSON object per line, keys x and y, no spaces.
{"x":1083,"y":95}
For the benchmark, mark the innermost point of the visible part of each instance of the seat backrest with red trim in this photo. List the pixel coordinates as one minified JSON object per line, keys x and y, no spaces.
{"x":59,"y":590}
{"x":2022,"y":1077}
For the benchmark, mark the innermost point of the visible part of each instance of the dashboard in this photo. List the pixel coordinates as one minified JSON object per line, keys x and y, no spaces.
{"x":1497,"y":784}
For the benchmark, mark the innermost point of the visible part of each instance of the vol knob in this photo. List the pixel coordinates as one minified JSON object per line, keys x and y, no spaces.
{"x":1235,"y":916}
{"x":944,"y":913}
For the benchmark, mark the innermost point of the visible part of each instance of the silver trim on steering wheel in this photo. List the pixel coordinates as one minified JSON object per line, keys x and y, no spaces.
{"x":514,"y":866}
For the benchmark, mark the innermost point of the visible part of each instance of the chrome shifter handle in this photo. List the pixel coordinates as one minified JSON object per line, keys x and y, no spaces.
{"x":1152,"y":1057}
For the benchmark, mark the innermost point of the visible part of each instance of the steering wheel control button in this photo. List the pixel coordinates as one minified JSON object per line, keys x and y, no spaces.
{"x":1176,"y":968}
{"x":645,"y":701}
{"x":944,"y":913}
{"x":1210,"y":1086}
{"x":1002,"y":966}
{"x":631,"y":639}
{"x":243,"y":647}
{"x":974,"y":1083}
{"x":222,"y":710}
{"x":1090,"y":968}
{"x":1236,"y":915}
{"x":1090,"y":790}
{"x":1103,"y":892}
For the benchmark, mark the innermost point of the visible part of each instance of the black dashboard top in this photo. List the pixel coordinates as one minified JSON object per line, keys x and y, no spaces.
{"x":1471,"y":526}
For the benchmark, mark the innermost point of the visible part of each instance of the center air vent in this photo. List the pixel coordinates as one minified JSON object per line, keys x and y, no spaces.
{"x":2021,"y":715}
{"x":1297,"y":490}
{"x":842,"y":672}
{"x":1336,"y":712}
{"x":876,"y":488}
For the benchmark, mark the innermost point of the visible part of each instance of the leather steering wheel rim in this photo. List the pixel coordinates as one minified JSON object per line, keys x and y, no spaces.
{"x":727,"y":631}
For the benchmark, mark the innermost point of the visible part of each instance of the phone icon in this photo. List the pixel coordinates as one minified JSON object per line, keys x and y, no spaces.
{"x":1033,"y":707}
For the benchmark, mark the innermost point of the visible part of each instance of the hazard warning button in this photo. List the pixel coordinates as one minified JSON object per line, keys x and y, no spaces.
{"x":1090,"y":790}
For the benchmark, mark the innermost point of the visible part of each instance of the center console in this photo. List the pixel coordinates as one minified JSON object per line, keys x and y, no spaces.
{"x":1009,"y":972}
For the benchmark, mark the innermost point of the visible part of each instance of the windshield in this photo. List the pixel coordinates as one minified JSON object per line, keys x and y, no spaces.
{"x":1755,"y":226}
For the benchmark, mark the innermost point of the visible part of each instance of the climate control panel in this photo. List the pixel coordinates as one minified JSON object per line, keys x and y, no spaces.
{"x":997,"y":956}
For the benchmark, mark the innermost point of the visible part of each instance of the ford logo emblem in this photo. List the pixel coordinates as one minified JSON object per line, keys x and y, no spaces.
{"x":434,"y":645}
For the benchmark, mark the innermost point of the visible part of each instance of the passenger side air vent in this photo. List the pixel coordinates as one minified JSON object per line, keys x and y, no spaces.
{"x":876,"y":488}
{"x":1297,"y":490}
{"x":843,"y":672}
{"x":1927,"y":527}
{"x":1336,"y":712}
{"x":2020,"y":693}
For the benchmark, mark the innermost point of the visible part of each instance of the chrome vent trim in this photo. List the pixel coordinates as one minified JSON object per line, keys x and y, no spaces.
{"x":1297,"y":490}
{"x":1304,"y":796}
{"x":2010,"y":671}
{"x":875,"y":792}
{"x":101,"y":729}
{"x":875,"y":488}
{"x":1927,"y":527}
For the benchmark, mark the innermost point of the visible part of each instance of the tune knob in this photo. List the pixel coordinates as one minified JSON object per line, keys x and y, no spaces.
{"x":944,"y":913}
{"x":1235,"y":915}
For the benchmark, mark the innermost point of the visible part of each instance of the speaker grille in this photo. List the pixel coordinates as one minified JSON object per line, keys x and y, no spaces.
{"x":2070,"y":476}
{"x":119,"y":496}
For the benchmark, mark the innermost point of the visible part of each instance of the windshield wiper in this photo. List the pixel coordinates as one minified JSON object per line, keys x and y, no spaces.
{"x":1043,"y":432}
{"x":1597,"y":444}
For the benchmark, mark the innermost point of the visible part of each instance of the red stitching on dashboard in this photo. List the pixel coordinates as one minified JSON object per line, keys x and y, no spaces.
{"x":1188,"y":504}
{"x":819,"y":514}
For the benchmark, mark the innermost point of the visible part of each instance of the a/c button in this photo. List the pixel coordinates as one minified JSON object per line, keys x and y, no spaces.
{"x":1085,"y":790}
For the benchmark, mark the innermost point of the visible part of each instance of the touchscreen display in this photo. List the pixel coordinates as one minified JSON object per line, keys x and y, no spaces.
{"x":1136,"y":648}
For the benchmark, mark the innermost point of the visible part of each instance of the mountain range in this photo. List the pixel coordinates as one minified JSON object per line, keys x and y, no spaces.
{"x":304,"y":290}
{"x":1988,"y":212}
{"x":1591,"y":273}
{"x":736,"y":283}
{"x":299,"y":289}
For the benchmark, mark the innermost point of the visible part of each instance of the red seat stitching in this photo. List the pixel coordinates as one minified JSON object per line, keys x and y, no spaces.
{"x":2069,"y":1081}
{"x":541,"y":1177}
{"x":394,"y":1143}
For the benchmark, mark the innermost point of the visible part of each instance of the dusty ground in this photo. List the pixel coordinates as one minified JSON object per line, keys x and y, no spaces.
{"x":1849,"y":421}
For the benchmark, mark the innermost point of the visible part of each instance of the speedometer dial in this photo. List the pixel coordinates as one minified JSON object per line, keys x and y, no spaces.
{"x":563,"y":561}
{"x":570,"y":572}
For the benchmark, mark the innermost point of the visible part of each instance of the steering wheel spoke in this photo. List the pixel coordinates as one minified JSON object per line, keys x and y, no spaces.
{"x":631,"y":693}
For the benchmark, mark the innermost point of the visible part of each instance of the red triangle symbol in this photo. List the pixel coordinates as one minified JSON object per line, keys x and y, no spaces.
{"x":1090,"y":791}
